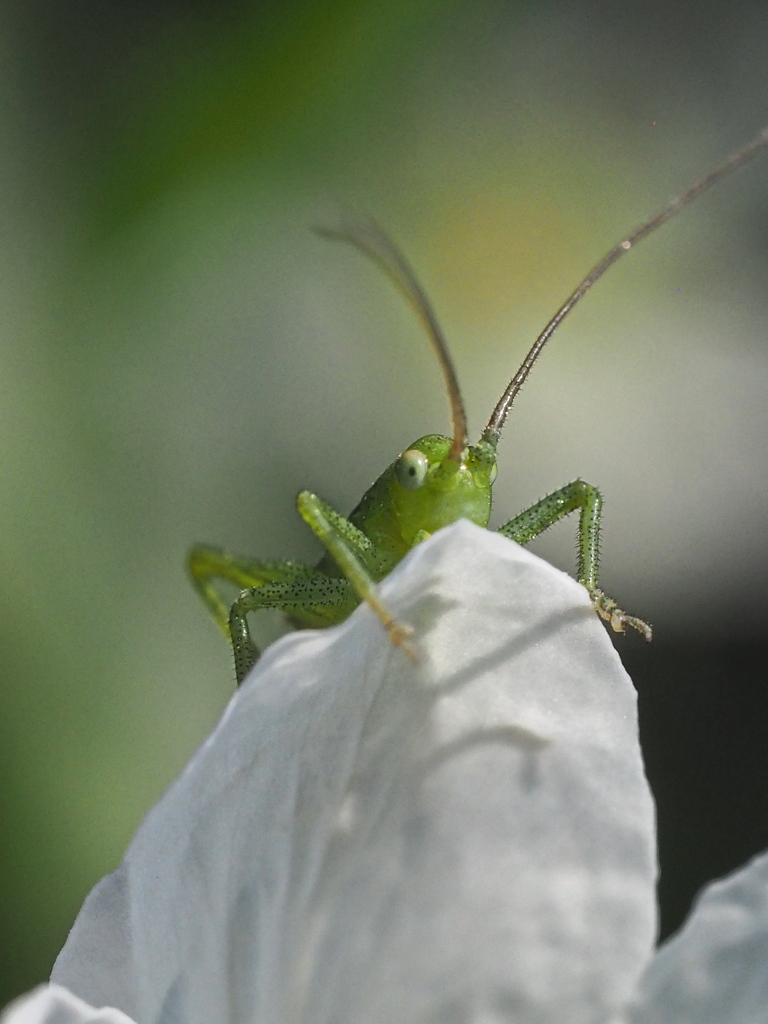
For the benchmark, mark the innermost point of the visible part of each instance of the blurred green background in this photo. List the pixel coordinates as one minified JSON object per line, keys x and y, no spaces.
{"x":179,"y":355}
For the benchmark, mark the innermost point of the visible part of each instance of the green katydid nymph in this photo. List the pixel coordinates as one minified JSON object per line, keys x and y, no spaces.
{"x":434,"y":482}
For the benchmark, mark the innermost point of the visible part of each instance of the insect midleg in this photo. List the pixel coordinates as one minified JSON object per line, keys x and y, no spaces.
{"x":206,"y":564}
{"x":310,"y":596}
{"x":545,"y":513}
{"x":356,"y":557}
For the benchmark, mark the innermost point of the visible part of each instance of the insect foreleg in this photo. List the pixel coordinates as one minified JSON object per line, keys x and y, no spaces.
{"x":585,"y":498}
{"x":356,"y":557}
{"x":311,"y":598}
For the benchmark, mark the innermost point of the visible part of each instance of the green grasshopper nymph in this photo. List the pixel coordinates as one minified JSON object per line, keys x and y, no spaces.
{"x":434,"y":482}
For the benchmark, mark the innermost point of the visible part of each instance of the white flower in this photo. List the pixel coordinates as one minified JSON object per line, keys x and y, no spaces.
{"x":53,"y":1004}
{"x":469,"y":840}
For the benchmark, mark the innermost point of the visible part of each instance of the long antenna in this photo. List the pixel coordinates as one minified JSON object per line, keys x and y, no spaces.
{"x":734,"y":161}
{"x":370,"y":239}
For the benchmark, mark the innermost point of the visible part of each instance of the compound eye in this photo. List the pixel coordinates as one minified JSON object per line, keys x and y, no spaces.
{"x":411,"y":469}
{"x":494,"y":473}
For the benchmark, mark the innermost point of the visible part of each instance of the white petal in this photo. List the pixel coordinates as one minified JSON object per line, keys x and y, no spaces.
{"x":715,"y":971}
{"x":365,"y":840}
{"x":52,"y":1004}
